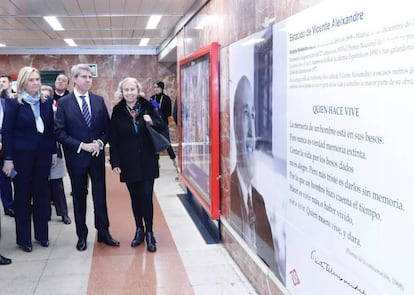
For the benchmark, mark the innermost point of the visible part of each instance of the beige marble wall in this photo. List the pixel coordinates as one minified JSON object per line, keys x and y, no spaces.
{"x":111,"y":70}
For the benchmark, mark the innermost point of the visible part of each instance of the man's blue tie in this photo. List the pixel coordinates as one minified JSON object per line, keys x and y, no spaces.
{"x":85,"y":111}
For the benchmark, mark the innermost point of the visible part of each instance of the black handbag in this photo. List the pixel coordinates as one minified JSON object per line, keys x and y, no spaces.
{"x":159,"y":141}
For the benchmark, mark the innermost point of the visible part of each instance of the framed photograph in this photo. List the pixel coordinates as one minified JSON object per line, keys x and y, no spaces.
{"x":94,"y":68}
{"x":199,"y":118}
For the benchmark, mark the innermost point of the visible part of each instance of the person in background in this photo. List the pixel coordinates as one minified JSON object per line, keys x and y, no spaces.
{"x":6,"y":191}
{"x":175,"y":117}
{"x":164,"y":102}
{"x":132,"y":155}
{"x":175,"y":110}
{"x":29,"y":150}
{"x":57,"y":172}
{"x":61,"y":87}
{"x":6,"y":89}
{"x":81,"y":126}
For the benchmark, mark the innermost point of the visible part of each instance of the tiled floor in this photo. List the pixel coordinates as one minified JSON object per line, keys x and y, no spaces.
{"x":183,"y":263}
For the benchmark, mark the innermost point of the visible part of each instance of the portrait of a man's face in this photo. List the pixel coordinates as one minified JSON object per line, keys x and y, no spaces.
{"x":244,"y":115}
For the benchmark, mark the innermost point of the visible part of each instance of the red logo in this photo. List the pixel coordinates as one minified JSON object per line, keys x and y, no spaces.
{"x":295,"y":277}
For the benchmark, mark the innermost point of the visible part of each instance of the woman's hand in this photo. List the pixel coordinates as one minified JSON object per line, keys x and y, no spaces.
{"x":147,"y":118}
{"x":117,"y":170}
{"x":8,"y":167}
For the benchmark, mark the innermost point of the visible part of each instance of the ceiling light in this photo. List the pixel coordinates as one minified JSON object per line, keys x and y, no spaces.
{"x":54,"y":23}
{"x":70,"y":42}
{"x":2,"y":45}
{"x":144,"y":42}
{"x":153,"y":22}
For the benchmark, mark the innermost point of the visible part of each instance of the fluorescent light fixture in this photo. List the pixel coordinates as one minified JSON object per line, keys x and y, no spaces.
{"x":153,"y":21}
{"x":54,"y":23}
{"x":2,"y":45}
{"x":144,"y":41}
{"x":70,"y":42}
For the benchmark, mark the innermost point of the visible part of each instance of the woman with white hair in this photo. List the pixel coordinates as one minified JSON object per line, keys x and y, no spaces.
{"x":132,"y":154}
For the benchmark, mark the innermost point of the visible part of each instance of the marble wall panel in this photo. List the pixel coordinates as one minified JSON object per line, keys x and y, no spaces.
{"x":224,"y":133}
{"x":111,"y":70}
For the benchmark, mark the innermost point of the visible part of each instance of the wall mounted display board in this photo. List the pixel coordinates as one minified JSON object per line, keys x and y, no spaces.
{"x":345,"y":71}
{"x":199,"y":119}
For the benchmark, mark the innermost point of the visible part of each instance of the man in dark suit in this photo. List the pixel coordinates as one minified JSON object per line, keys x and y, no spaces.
{"x":61,"y":87}
{"x":6,"y":190}
{"x":81,"y":126}
{"x":6,"y":88}
{"x":248,"y":210}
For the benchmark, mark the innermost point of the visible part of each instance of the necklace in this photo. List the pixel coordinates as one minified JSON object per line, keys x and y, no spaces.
{"x":134,"y":112}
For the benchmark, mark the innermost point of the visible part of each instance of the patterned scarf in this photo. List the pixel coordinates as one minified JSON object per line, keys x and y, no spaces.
{"x":35,"y":104}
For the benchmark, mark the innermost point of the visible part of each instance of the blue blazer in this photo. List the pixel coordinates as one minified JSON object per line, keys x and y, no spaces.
{"x":71,"y":129}
{"x":19,"y":131}
{"x":3,"y":106}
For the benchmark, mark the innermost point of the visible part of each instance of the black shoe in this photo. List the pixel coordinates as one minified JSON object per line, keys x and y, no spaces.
{"x":4,"y":260}
{"x":149,"y":238}
{"x":9,"y":212}
{"x":66,"y":219}
{"x":81,"y":245}
{"x":139,"y":237}
{"x":107,"y":239}
{"x":44,"y":243}
{"x":26,"y":248}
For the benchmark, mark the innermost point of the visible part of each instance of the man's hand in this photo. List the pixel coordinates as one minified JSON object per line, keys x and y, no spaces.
{"x":92,"y":147}
{"x":54,"y":161}
{"x":97,"y":148}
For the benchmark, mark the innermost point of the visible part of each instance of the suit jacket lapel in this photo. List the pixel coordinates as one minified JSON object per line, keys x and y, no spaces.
{"x":78,"y":111}
{"x":92,"y":104}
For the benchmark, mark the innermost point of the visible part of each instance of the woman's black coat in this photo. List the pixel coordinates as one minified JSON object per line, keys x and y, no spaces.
{"x":132,"y":151}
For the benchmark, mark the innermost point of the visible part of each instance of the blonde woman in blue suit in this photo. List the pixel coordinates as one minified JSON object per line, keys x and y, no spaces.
{"x":29,"y":149}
